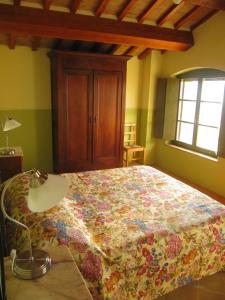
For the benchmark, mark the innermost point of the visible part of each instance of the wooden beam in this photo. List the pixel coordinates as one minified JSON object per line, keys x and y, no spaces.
{"x":113,"y":49}
{"x":125,"y":10}
{"x":144,"y":54}
{"x":74,"y":6}
{"x":57,"y":44}
{"x":101,"y":8}
{"x":11,"y":41}
{"x":46,"y":4}
{"x":204,"y":19}
{"x":76,"y":46}
{"x":147,"y":11}
{"x":131,"y":50}
{"x":212,"y":4}
{"x":96,"y":47}
{"x":128,"y":50}
{"x":17,"y":2}
{"x":189,"y":16}
{"x":55,"y":24}
{"x":170,"y":13}
{"x":35,"y":43}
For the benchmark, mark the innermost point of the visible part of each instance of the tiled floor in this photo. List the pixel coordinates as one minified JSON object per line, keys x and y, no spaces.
{"x":208,"y":288}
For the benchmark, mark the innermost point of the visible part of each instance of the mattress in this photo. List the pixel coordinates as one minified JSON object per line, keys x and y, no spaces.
{"x":135,"y":233}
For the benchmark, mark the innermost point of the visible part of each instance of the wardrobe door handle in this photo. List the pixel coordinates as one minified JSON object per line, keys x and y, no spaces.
{"x":94,"y":119}
{"x":90,"y":119}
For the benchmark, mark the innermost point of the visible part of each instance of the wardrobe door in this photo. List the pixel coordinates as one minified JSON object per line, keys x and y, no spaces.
{"x":75,"y":121}
{"x":107,"y":119}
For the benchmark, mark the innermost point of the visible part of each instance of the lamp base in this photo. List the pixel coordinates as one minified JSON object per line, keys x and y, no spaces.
{"x":25,"y":267}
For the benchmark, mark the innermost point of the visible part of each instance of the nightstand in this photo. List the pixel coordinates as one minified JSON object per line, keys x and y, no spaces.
{"x":11,"y":165}
{"x":63,"y":281}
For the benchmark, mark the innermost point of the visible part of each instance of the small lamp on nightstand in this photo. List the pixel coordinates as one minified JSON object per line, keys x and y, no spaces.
{"x":9,"y":124}
{"x":45,"y":191}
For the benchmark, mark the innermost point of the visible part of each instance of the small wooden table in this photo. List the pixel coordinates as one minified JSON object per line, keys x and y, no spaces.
{"x":63,"y":281}
{"x":11,"y":165}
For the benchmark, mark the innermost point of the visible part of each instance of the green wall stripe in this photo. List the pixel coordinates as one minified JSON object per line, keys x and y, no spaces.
{"x":34,"y":136}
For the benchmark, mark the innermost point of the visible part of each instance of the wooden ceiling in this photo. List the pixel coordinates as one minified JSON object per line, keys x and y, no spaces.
{"x":119,"y":27}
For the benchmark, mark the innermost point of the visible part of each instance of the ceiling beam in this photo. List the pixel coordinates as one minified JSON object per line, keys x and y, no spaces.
{"x":57,"y":44}
{"x":74,"y":6}
{"x":147,"y":11}
{"x":12,"y":41}
{"x":55,"y":24}
{"x":170,"y":13}
{"x":144,"y":54}
{"x":101,"y":8}
{"x":125,"y":10}
{"x":131,"y":51}
{"x":128,"y":50}
{"x":35,"y":43}
{"x":189,"y":16}
{"x":204,"y":19}
{"x":213,"y":4}
{"x":17,"y":2}
{"x":113,"y":49}
{"x":76,"y":46}
{"x":46,"y":4}
{"x":96,"y":47}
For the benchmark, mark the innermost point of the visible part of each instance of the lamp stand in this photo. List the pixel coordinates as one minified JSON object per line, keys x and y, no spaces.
{"x":26,"y":267}
{"x":32,"y":263}
{"x":7,"y":150}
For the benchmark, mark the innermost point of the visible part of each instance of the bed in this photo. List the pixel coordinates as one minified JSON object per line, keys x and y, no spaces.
{"x":135,"y":233}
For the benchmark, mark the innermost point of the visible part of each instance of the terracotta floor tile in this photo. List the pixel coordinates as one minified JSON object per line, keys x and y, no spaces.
{"x":183,"y":293}
{"x":208,"y":288}
{"x":213,"y":283}
{"x":207,"y":295}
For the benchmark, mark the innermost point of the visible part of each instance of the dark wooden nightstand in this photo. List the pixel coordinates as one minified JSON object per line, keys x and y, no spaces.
{"x":11,"y":165}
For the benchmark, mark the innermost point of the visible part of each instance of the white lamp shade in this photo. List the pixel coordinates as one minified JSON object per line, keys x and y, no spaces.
{"x":10,"y":124}
{"x":48,"y":194}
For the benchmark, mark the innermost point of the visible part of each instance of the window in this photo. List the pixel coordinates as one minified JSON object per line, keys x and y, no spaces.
{"x":199,"y":114}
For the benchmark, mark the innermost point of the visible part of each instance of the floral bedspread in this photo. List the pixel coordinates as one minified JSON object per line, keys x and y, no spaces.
{"x":135,"y":233}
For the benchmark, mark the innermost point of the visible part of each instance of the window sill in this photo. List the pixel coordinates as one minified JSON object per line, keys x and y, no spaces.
{"x":167,"y":143}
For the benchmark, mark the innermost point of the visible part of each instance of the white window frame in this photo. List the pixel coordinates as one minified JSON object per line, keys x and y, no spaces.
{"x":196,"y":123}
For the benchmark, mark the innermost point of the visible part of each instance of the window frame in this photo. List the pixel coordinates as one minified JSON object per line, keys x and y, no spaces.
{"x":193,"y":147}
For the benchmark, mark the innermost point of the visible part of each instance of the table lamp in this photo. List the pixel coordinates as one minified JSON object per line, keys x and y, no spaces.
{"x":45,"y":191}
{"x":9,"y":124}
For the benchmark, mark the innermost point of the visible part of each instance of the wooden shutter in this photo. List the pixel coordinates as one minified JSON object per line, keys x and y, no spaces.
{"x":166,"y":106}
{"x":171,"y":107}
{"x":221,"y":144}
{"x":159,"y":112}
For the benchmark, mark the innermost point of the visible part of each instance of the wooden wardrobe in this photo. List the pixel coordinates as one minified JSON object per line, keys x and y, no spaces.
{"x":88,"y":99}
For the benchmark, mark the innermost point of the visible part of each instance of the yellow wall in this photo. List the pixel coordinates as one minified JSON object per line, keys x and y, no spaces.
{"x":205,"y":172}
{"x":150,"y":71}
{"x":24,"y":79}
{"x":132,"y":90}
{"x":209,"y":51}
{"x":132,"y":87}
